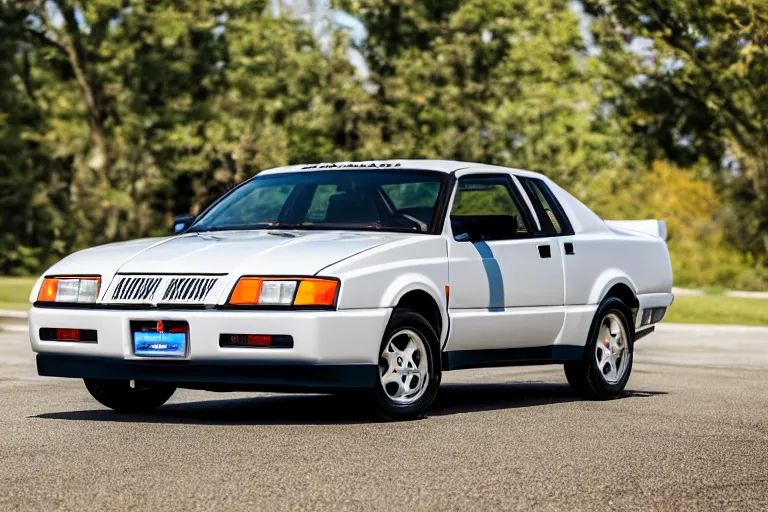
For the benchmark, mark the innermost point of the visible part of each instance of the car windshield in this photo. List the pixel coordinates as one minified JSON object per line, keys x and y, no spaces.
{"x":377,"y":200}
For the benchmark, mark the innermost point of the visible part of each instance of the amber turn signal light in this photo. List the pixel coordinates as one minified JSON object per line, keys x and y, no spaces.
{"x":316,"y":292}
{"x":246,"y":292}
{"x":273,"y":291}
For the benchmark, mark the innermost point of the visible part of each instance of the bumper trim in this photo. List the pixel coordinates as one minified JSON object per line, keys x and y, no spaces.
{"x":224,"y":375}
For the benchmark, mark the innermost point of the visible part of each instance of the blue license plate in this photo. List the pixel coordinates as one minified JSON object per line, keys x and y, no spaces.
{"x":160,"y":344}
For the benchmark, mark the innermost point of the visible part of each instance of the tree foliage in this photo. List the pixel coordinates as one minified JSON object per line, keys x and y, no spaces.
{"x":698,"y":96}
{"x":115,"y":115}
{"x":502,"y":81}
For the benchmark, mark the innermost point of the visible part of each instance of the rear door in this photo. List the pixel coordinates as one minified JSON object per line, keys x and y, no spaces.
{"x":506,"y":276}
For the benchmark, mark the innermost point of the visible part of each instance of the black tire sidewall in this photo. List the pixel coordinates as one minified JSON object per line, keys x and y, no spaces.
{"x":385,"y":407}
{"x":594,"y":377}
{"x":118,"y":395}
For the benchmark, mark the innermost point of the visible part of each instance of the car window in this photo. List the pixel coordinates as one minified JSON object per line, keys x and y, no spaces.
{"x":412,"y":195}
{"x":402,"y":200}
{"x":413,"y":201}
{"x":318,"y":208}
{"x":261,"y":205}
{"x":550,"y":213}
{"x":485,"y":209}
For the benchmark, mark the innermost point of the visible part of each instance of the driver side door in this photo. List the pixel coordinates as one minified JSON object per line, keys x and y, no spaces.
{"x":506,"y":282}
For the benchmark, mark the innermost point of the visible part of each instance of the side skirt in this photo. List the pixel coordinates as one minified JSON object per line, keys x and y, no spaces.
{"x":552,"y":354}
{"x":644,"y":332}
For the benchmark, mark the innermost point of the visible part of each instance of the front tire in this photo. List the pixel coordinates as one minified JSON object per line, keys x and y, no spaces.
{"x":409,"y":367}
{"x":120,"y":396}
{"x":608,"y":355}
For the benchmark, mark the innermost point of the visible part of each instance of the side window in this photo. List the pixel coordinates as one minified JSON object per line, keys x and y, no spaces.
{"x":485,"y":209}
{"x":548,"y":210}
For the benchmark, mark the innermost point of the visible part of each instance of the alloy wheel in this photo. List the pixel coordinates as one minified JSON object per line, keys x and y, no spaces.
{"x":403,"y":367}
{"x":612,"y":349}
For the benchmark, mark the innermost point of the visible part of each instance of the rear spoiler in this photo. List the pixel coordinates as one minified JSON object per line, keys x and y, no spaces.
{"x":649,"y":227}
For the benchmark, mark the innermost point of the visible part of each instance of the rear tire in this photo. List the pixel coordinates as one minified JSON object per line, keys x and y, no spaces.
{"x":409,"y":367}
{"x":608,"y":354}
{"x":120,"y":396}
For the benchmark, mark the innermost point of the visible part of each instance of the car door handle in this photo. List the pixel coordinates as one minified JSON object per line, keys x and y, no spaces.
{"x":545,"y":251}
{"x":568,"y":248}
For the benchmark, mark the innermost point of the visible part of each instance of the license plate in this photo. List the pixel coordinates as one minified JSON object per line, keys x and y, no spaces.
{"x":152,"y":340}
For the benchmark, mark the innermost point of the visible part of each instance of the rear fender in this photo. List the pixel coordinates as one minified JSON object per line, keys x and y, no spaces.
{"x":607,"y":280}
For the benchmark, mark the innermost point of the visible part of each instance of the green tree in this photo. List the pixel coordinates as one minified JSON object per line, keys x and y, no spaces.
{"x":699,"y":96}
{"x":498,"y":81}
{"x":147,"y":109}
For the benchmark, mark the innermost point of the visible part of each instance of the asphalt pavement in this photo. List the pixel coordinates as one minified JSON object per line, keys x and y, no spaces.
{"x":691,"y":433}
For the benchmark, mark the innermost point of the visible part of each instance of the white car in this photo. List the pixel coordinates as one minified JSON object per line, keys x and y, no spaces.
{"x":370,"y":276}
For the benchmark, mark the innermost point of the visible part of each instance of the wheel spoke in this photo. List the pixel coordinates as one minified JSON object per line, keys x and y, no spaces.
{"x":409,"y":383}
{"x":390,"y":358}
{"x":410,"y":350}
{"x":614,"y":373}
{"x":615,"y":327}
{"x":603,"y":359}
{"x":394,"y":378}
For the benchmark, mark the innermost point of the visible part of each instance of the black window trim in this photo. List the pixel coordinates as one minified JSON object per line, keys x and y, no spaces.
{"x":517,"y":199}
{"x":557,"y":208}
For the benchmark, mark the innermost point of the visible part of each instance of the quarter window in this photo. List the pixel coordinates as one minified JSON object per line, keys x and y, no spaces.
{"x":484,"y":208}
{"x":551,"y":216}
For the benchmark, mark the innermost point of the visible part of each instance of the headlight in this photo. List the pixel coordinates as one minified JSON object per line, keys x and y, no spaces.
{"x":267,"y":291}
{"x":70,"y":289}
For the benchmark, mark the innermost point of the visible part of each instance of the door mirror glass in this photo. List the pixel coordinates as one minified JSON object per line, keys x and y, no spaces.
{"x":464,"y":231}
{"x":182,"y":222}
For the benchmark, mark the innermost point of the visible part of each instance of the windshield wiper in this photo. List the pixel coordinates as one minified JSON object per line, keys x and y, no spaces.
{"x":245,"y":227}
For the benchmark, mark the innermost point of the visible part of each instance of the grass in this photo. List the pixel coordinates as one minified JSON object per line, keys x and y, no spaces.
{"x":14,"y":292}
{"x":714,"y":290}
{"x":712,"y":309}
{"x":704,"y":309}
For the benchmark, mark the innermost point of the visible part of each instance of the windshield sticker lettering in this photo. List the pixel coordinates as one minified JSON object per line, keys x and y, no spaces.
{"x":342,"y":165}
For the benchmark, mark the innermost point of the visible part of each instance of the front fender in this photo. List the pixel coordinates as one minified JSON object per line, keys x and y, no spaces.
{"x":406,"y":283}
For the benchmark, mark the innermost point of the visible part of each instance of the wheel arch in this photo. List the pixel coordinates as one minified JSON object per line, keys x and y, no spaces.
{"x":614,"y":283}
{"x":421,"y":295}
{"x":622,"y":288}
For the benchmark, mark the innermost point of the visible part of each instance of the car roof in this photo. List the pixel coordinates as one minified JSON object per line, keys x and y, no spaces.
{"x":445,"y":166}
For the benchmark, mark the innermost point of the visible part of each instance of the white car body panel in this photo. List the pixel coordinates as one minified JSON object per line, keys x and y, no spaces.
{"x":656,"y":228}
{"x":492,"y":297}
{"x":246,"y":252}
{"x":319,"y":337}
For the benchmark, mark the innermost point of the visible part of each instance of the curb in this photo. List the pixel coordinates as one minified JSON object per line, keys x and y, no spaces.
{"x":727,"y":293}
{"x":674,"y":327}
{"x":13,"y":319}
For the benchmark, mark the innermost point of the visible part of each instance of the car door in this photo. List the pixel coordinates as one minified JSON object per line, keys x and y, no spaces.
{"x":506,"y":277}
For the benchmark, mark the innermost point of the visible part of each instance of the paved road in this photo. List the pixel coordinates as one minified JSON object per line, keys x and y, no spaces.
{"x":692,"y":433}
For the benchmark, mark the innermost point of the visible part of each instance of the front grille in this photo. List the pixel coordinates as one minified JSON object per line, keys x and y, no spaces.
{"x":161,"y":289}
{"x":136,"y":289}
{"x":188,"y":289}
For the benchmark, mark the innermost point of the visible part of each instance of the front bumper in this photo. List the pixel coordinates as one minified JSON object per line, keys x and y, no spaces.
{"x":214,"y":375}
{"x":330,"y":348}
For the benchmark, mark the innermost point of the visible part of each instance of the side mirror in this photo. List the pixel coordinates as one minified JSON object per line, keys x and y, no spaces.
{"x":464,"y":231}
{"x":182,"y":222}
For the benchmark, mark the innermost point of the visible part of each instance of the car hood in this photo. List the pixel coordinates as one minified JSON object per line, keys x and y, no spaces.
{"x":252,"y":252}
